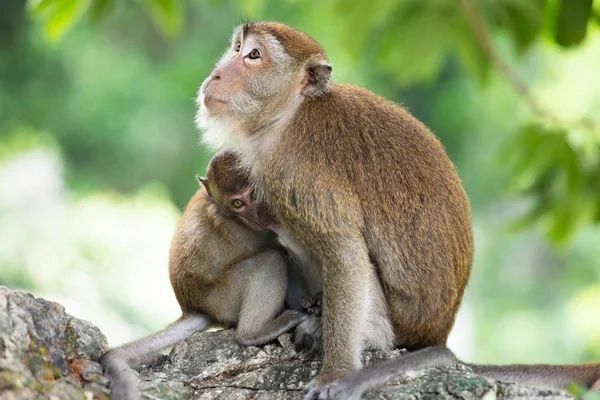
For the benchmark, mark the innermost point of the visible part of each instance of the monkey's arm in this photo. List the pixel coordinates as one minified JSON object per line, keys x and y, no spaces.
{"x":118,"y":362}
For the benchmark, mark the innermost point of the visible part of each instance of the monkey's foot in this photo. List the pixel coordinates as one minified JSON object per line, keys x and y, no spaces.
{"x":312,"y":304}
{"x":309,"y":335}
{"x":333,"y":386}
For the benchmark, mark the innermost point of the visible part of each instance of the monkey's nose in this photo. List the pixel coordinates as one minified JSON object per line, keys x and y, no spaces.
{"x":216,"y":76}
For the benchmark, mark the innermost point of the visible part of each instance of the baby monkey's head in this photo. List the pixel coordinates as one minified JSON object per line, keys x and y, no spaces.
{"x":228,"y":187}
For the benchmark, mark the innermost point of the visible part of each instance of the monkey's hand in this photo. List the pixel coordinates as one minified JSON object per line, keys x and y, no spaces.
{"x":312,"y":305}
{"x":336,"y":385}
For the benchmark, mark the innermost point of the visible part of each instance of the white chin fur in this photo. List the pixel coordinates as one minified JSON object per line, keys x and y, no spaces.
{"x":215,"y":132}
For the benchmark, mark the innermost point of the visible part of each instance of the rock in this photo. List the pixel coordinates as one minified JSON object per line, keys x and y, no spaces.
{"x":48,"y":354}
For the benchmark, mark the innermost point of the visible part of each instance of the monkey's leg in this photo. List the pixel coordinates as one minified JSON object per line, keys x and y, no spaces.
{"x":272,"y":329}
{"x":263,"y":298}
{"x":377,"y":333}
{"x":354,"y":384}
{"x":347,"y":298}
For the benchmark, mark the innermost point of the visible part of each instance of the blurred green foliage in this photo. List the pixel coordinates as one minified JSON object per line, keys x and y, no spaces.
{"x":390,"y":31}
{"x":509,"y":87}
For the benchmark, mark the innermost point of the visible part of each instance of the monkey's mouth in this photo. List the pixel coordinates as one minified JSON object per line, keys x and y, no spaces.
{"x":209,"y":98}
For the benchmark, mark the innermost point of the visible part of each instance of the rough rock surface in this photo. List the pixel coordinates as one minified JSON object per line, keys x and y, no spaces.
{"x":48,"y":354}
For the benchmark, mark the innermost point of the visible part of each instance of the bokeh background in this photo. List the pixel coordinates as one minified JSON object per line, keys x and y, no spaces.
{"x":98,"y":150}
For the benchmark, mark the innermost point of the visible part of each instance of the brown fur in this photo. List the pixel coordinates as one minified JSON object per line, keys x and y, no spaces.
{"x":210,"y":246}
{"x":221,"y":271}
{"x":204,"y":252}
{"x":298,"y":44}
{"x":319,"y":174}
{"x":418,"y":233}
{"x":353,"y":146}
{"x":359,"y":182}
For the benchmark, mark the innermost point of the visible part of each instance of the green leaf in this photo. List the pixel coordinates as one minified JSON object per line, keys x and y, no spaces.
{"x":167,"y":15}
{"x":523,"y":19}
{"x":64,"y":16}
{"x":364,"y":20}
{"x":469,"y":51}
{"x":41,"y":7}
{"x":531,"y":156}
{"x":572,"y":20}
{"x":549,"y":165}
{"x":100,"y":9}
{"x":535,"y":214}
{"x":570,"y":216}
{"x":596,"y":18}
{"x":414,"y":47}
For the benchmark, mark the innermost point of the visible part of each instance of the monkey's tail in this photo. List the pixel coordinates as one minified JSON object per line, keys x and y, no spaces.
{"x":542,"y":375}
{"x":118,"y":362}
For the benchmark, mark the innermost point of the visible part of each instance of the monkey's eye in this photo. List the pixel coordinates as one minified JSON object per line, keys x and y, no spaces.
{"x":237,"y":47}
{"x":254,"y":54}
{"x":237,"y":203}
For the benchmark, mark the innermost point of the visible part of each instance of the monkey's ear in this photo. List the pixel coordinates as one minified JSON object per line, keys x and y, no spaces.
{"x":316,"y":83}
{"x":204,"y":182}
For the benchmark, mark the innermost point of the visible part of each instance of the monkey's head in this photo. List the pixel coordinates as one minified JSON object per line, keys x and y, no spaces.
{"x":228,"y":188}
{"x":268,"y":68}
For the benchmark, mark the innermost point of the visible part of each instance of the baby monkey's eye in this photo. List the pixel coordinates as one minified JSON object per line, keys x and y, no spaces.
{"x":237,"y":47}
{"x":254,"y":54}
{"x":237,"y":203}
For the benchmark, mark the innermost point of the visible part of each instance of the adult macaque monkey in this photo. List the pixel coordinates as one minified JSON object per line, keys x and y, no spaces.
{"x":356,"y":180}
{"x":221,"y":272}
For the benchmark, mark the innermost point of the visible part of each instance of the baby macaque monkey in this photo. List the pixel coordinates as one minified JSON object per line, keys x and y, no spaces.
{"x":221,"y":272}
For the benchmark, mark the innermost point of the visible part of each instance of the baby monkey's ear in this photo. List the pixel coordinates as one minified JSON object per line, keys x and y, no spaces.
{"x":204,"y":182}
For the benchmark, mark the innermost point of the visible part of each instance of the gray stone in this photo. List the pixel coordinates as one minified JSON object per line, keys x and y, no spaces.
{"x":48,"y":354}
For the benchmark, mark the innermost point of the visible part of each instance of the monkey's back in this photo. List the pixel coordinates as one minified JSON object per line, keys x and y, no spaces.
{"x":373,"y":167}
{"x":205,"y":253}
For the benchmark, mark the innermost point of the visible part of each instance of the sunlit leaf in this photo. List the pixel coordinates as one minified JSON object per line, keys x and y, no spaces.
{"x":64,"y":16}
{"x":596,"y":18}
{"x":40,"y":7}
{"x":548,"y":166}
{"x":572,"y":20}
